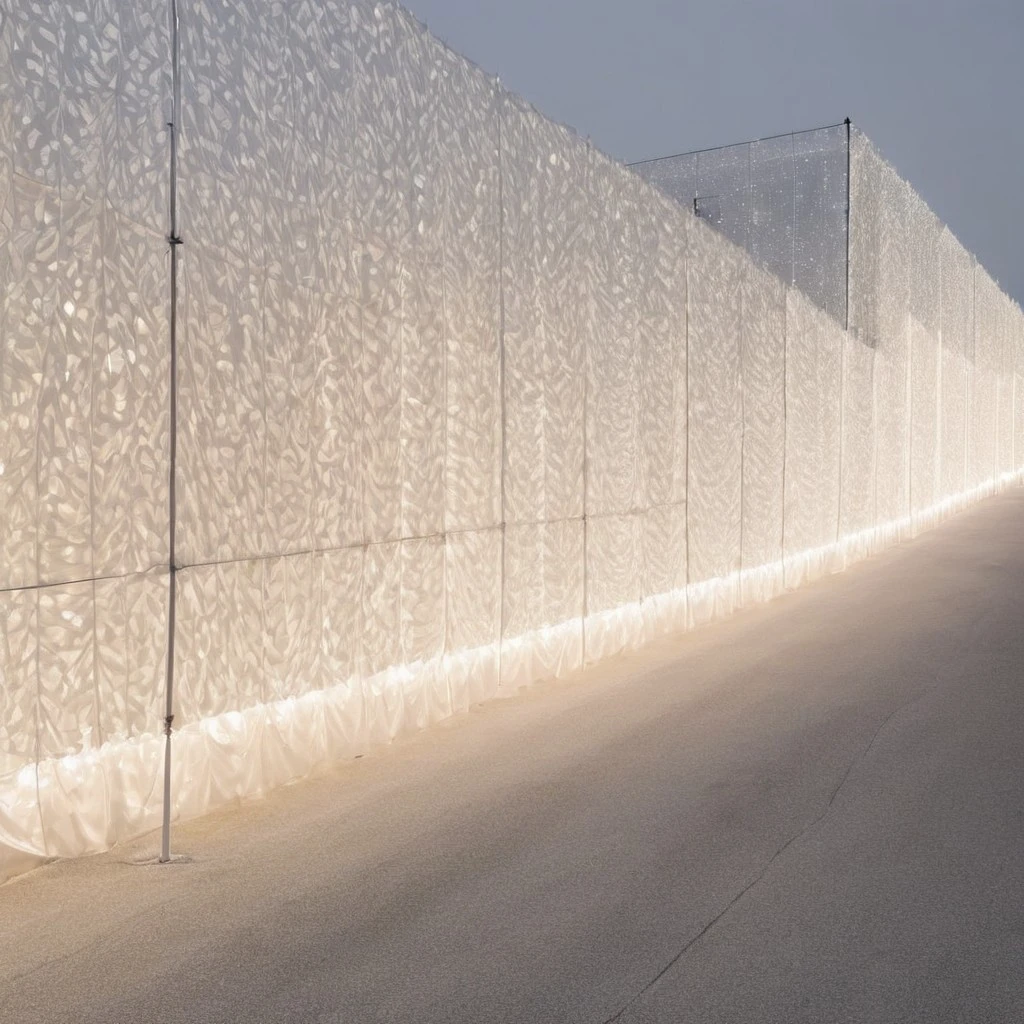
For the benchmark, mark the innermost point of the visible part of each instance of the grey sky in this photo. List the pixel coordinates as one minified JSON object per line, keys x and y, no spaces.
{"x":937,"y":84}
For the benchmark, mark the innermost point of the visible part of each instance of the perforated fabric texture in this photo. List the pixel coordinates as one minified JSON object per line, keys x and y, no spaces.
{"x":783,"y":199}
{"x":462,"y":403}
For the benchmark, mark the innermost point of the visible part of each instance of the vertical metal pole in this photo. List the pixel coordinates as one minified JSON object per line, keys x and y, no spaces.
{"x":174,"y":241}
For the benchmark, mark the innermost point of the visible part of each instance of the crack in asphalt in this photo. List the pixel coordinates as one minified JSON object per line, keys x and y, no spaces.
{"x":857,"y":760}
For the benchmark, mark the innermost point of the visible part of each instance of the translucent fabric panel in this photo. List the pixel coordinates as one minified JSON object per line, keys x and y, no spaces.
{"x":251,"y":340}
{"x":614,"y":561}
{"x":467,"y":177}
{"x":543,"y":587}
{"x":783,"y":199}
{"x":857,"y":499}
{"x":830,"y":339}
{"x":382,"y":379}
{"x":87,"y":80}
{"x":130,"y":408}
{"x":131,"y":643}
{"x":337,"y":409}
{"x":981,"y":454}
{"x":804,"y":441}
{"x":83,"y":438}
{"x":891,"y":360}
{"x":220,"y":634}
{"x":21,"y":826}
{"x":764,"y":424}
{"x":403,"y":620}
{"x":714,"y":495}
{"x":813,"y":371}
{"x":348,"y":614}
{"x":1005,"y":457}
{"x":925,"y":232}
{"x":343,"y":616}
{"x":772,"y":178}
{"x":253,"y":653}
{"x":330,"y":652}
{"x":390,"y":74}
{"x":723,"y":197}
{"x":663,"y":551}
{"x":31,"y":89}
{"x":868,"y":175}
{"x":422,"y":632}
{"x":892,"y":455}
{"x":925,"y":486}
{"x":67,"y":712}
{"x":63,"y":469}
{"x":957,"y":324}
{"x":222,"y":397}
{"x":614,"y":359}
{"x":292,"y":326}
{"x":403,"y":348}
{"x":423,"y":409}
{"x":18,"y":693}
{"x":81,"y":674}
{"x":661,"y":305}
{"x":1016,"y":331}
{"x":661,"y":351}
{"x":473,"y":574}
{"x":29,"y":312}
{"x":369,"y":209}
{"x":548,"y":253}
{"x":346,"y":721}
{"x":84,"y":88}
{"x":136,"y":164}
{"x":225,"y":188}
{"x":819,"y":203}
{"x":404,"y":294}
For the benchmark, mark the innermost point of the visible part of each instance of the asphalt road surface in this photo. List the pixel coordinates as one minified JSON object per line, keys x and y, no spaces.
{"x":813,"y":811}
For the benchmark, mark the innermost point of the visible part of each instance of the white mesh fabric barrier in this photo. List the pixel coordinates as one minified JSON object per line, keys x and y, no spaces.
{"x":462,"y":403}
{"x":783,"y":199}
{"x":912,"y":279}
{"x":83,"y":422}
{"x":813,"y":406}
{"x":714,"y":478}
{"x":1005,"y":442}
{"x":340,"y":394}
{"x":925,"y":357}
{"x":548,"y":230}
{"x":956,"y":307}
{"x":891,"y":355}
{"x":983,"y":386}
{"x":614,"y":491}
{"x":1016,"y":337}
{"x":763,"y":341}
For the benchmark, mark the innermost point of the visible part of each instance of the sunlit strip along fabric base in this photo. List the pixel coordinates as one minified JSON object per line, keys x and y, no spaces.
{"x":94,"y":800}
